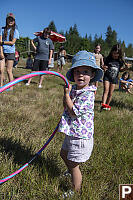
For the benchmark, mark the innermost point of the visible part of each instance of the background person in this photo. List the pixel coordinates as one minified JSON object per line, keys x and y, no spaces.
{"x":9,"y":34}
{"x":99,"y":58}
{"x":44,"y":52}
{"x":17,"y":55}
{"x":61,"y":58}
{"x":29,"y":62}
{"x":114,"y":64}
{"x":125,"y":83}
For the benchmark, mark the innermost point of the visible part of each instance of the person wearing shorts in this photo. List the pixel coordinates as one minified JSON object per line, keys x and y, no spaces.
{"x":61,"y":58}
{"x":8,"y":37}
{"x":44,"y":52}
{"x":77,"y":121}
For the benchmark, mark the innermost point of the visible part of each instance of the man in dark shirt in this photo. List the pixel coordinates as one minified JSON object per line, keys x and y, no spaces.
{"x":44,"y":52}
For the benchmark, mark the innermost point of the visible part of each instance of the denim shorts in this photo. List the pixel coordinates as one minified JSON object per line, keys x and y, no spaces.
{"x":79,"y":150}
{"x":9,"y":56}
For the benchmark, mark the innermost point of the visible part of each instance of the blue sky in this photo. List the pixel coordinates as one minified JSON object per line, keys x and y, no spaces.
{"x":91,"y":17}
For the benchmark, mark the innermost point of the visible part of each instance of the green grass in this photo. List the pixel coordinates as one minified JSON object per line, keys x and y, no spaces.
{"x":28,"y":117}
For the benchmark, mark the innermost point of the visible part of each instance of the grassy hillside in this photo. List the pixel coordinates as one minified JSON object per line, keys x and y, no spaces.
{"x":28,"y":117}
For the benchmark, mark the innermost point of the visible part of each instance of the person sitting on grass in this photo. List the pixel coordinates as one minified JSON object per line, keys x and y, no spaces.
{"x":126,"y":84}
{"x":77,"y":120}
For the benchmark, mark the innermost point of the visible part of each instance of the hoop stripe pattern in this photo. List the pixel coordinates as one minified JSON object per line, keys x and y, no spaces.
{"x":14,"y":82}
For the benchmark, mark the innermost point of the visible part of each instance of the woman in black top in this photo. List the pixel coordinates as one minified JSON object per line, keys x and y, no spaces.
{"x":112,"y":66}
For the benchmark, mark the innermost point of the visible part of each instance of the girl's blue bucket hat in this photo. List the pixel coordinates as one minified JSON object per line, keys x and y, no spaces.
{"x":84,"y":58}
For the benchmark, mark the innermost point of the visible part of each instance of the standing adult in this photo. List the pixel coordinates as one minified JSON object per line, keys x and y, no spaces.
{"x":44,"y":52}
{"x":8,"y":36}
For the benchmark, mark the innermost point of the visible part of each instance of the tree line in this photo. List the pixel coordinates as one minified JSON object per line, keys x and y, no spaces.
{"x":74,"y":42}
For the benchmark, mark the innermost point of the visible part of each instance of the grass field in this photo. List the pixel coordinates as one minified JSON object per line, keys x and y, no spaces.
{"x":28,"y":117}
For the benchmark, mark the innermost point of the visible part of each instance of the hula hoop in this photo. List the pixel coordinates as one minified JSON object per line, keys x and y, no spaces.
{"x":14,"y":82}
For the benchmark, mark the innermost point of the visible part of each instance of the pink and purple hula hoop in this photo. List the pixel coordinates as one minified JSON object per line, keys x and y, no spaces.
{"x":14,"y":82}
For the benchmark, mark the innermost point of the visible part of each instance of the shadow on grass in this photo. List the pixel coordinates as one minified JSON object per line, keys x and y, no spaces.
{"x":22,"y":155}
{"x":120,"y":104}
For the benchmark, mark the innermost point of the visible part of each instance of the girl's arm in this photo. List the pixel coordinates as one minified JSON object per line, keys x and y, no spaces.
{"x":126,"y":67}
{"x":10,"y":43}
{"x":50,"y":56}
{"x":101,"y":61}
{"x":67,"y":101}
{"x":122,"y":81}
{"x":104,"y":67}
{"x":32,"y":43}
{"x":1,"y":49}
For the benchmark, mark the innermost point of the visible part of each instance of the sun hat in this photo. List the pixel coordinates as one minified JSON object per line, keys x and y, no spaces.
{"x":10,"y":15}
{"x":84,"y":58}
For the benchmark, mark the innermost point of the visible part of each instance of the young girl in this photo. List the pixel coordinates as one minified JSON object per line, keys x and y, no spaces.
{"x":126,"y":84}
{"x":8,"y":36}
{"x":113,"y":65}
{"x":77,"y":120}
{"x":99,"y":58}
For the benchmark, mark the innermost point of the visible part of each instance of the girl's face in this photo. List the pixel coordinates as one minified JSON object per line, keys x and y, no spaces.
{"x":115,"y":55}
{"x":97,"y":49}
{"x":125,"y":76}
{"x":82,"y":76}
{"x":10,"y":21}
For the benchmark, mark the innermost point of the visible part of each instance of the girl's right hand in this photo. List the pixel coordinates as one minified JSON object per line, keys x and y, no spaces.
{"x":67,"y":90}
{"x":105,"y":68}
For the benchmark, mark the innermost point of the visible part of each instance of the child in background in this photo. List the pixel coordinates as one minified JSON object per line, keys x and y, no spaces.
{"x":29,"y":62}
{"x":125,"y":83}
{"x":61,"y":58}
{"x":99,"y":58}
{"x":77,"y":121}
{"x":113,"y":65}
{"x":8,"y":36}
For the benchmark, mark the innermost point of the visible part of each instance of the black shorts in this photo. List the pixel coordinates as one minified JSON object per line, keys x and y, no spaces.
{"x":40,"y":65}
{"x":9,"y":56}
{"x":113,"y":81}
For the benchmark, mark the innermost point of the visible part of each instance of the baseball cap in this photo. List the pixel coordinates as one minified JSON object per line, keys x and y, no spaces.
{"x":10,"y":15}
{"x":84,"y":58}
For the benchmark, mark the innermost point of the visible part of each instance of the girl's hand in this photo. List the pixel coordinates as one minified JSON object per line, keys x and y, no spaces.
{"x":67,"y":90}
{"x":128,"y":65}
{"x":66,"y":94}
{"x":105,"y":68}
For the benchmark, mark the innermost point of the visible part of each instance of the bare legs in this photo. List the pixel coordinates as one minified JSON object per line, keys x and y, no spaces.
{"x":2,"y":66}
{"x":108,"y":91}
{"x":40,"y":81}
{"x":74,"y":170}
{"x":9,"y":67}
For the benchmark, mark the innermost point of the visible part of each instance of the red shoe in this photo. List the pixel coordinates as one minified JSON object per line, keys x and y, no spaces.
{"x":105,"y":107}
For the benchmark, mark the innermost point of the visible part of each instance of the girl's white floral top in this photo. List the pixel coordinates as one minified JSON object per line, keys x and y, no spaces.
{"x":81,"y":125}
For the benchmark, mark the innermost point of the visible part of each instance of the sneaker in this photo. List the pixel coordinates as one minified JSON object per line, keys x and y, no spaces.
{"x":67,"y":173}
{"x":105,"y":107}
{"x":40,"y":86}
{"x":27,"y":84}
{"x":68,"y":194}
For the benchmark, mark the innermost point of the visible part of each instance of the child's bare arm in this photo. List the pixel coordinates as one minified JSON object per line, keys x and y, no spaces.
{"x":67,"y":102}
